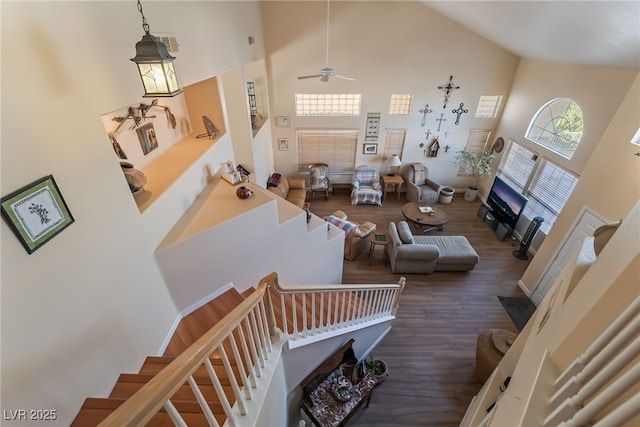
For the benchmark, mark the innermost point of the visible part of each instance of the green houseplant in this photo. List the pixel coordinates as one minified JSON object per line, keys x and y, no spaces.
{"x":476,"y":164}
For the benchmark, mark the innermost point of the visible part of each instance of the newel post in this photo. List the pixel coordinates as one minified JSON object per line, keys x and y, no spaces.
{"x":271,"y":281}
{"x":396,"y":301}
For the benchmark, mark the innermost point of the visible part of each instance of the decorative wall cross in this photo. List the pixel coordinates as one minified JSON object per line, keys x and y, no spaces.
{"x":426,"y":110}
{"x":459,"y":111}
{"x":446,"y":148}
{"x":448,"y":88}
{"x":428,"y":133}
{"x":440,"y":120}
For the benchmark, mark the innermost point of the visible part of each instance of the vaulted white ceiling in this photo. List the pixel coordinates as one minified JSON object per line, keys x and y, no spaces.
{"x":598,"y":33}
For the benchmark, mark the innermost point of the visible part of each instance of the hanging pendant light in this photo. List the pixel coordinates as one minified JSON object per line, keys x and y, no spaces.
{"x":155,"y":64}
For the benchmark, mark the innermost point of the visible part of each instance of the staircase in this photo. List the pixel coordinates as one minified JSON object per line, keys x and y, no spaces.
{"x":217,"y":366}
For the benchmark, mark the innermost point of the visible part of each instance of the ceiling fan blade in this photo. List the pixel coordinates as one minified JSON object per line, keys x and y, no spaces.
{"x":309,"y":77}
{"x":343,"y":77}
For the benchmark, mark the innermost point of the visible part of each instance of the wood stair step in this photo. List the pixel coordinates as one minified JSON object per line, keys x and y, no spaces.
{"x":129,"y":384}
{"x":194,"y":325}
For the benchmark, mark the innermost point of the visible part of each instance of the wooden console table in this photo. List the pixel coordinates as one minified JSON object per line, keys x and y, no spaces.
{"x":319,"y":407}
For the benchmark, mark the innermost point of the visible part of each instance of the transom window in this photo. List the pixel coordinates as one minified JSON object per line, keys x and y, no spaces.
{"x":557,"y":126}
{"x":328,"y":104}
{"x":488,"y":106}
{"x":400,"y":104}
{"x":546,"y":184}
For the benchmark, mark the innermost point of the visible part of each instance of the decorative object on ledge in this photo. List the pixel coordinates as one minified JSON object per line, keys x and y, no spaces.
{"x":253,"y":109}
{"x":135,"y":178}
{"x":306,"y":207}
{"x":155,"y":64}
{"x":244,"y":172}
{"x":229,"y":173}
{"x":147,"y":137}
{"x":448,"y":88}
{"x":211,"y":129}
{"x":424,"y":111}
{"x":458,"y":112}
{"x":138,"y":114}
{"x":244,"y":192}
{"x":36,"y":213}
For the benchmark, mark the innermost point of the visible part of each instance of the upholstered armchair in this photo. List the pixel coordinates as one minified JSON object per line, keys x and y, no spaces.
{"x":319,"y":179}
{"x":356,"y":238}
{"x":419,"y":187}
{"x":365,"y":186}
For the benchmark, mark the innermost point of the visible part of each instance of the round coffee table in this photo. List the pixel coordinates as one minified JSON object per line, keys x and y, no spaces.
{"x":423,"y":221}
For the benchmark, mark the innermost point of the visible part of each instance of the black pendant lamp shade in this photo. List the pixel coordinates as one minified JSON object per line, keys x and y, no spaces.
{"x":155,"y":65}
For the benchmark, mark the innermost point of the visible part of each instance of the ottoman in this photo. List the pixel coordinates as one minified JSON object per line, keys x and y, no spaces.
{"x":491,"y":346}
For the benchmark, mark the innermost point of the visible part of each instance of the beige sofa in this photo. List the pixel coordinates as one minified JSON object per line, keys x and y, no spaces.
{"x":291,"y":189}
{"x":357,"y":235}
{"x":426,"y":254}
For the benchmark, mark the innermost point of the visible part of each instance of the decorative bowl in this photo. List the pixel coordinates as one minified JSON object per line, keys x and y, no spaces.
{"x":341,"y":389}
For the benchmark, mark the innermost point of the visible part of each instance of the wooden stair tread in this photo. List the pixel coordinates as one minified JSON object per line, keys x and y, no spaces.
{"x":90,"y":417}
{"x":194,"y":325}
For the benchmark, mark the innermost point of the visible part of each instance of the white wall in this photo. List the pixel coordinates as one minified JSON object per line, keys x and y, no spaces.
{"x":389,"y":47}
{"x":71,"y":312}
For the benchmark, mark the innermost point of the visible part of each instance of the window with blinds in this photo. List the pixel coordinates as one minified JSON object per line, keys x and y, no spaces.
{"x":476,"y":143}
{"x":393,"y":144}
{"x":488,"y":106}
{"x":335,"y":147}
{"x":546,"y":185}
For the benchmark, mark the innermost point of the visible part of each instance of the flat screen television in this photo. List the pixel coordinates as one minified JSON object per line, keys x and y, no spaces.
{"x":507,"y":203}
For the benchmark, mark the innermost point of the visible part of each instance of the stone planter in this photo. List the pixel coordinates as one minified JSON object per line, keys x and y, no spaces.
{"x":446,"y":195}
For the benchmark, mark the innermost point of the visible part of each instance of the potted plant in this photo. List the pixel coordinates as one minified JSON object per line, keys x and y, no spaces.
{"x":377,"y":367}
{"x":476,"y":164}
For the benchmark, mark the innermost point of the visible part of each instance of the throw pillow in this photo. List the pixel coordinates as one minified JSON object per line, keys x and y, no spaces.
{"x":342,"y":224}
{"x":405,"y":233}
{"x":418,"y":174}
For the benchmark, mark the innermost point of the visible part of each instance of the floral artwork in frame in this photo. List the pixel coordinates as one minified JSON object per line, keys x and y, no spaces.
{"x":283,"y":144}
{"x":370,"y":148}
{"x":36,"y":213}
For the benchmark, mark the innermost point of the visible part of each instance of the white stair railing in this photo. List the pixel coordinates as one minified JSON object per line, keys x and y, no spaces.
{"x":330,"y":308}
{"x":601,"y":377}
{"x":255,"y":324}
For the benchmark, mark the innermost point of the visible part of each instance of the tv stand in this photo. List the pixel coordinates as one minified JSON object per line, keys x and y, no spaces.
{"x":502,"y":230}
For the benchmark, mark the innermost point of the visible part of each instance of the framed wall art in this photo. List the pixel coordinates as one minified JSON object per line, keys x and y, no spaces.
{"x":283,"y":144}
{"x":229,"y":173}
{"x":369,"y":148}
{"x":36,"y":213}
{"x":147,"y":137}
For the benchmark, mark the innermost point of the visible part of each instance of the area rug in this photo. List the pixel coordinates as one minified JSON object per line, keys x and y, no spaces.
{"x":520,"y":309}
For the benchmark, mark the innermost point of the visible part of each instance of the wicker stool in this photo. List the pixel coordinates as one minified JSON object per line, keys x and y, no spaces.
{"x":491,"y":346}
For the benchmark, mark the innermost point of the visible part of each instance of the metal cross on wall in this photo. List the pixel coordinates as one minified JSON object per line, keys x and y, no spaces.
{"x":448,"y":88}
{"x":426,"y":110}
{"x":459,"y":111}
{"x":440,"y":120}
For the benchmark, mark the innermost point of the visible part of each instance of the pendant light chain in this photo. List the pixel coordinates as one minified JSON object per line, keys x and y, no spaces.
{"x":145,"y":26}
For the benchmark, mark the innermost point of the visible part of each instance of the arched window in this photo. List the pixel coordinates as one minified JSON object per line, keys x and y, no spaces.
{"x":557,"y":126}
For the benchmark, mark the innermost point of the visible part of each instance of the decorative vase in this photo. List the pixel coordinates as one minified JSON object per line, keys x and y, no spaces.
{"x":243,"y":192}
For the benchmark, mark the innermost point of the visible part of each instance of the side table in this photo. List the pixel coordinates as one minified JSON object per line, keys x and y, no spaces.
{"x":395,"y":180}
{"x":379,"y":239}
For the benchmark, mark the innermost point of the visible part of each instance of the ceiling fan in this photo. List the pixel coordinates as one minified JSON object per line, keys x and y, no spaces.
{"x":327,"y":71}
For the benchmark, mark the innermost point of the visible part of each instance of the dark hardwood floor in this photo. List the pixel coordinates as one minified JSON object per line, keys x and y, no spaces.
{"x":430,"y":350}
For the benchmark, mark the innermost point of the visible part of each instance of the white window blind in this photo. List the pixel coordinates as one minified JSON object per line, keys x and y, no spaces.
{"x":549,"y":191}
{"x":488,"y":106}
{"x":337,"y":148}
{"x":476,"y":143}
{"x":517,"y":165}
{"x":393,"y":144}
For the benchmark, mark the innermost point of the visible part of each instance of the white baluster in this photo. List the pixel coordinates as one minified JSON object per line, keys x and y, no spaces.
{"x":233,"y":381}
{"x":252,"y":346}
{"x":321,"y":325}
{"x":203,"y":403}
{"x":257,"y":338}
{"x":622,"y":414}
{"x":241,"y":364}
{"x":294,"y":316}
{"x":304,"y":315}
{"x":283,"y":310}
{"x":265,"y":325}
{"x":231,"y":419}
{"x":313,"y":313}
{"x":174,"y":414}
